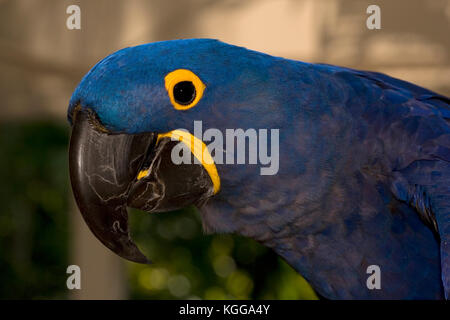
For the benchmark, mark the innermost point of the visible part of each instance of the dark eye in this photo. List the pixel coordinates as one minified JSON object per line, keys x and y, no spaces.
{"x":184,"y":92}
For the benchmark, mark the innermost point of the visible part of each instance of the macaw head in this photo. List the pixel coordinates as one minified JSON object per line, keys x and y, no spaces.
{"x":126,"y":116}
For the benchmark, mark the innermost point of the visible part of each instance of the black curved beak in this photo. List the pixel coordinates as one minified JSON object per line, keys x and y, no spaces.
{"x":104,"y":172}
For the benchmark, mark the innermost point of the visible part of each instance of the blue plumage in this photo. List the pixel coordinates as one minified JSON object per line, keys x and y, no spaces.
{"x":364,"y":175}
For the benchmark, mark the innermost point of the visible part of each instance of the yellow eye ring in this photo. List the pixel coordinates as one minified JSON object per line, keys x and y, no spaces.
{"x":185,"y":89}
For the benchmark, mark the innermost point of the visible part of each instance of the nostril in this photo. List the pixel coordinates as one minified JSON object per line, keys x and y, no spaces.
{"x":95,"y":122}
{"x":91,"y":115}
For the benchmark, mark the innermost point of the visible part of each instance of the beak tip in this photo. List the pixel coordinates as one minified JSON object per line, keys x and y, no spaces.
{"x":124,"y":247}
{"x":140,"y":258}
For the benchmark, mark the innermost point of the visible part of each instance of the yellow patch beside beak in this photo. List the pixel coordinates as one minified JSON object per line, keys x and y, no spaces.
{"x":198,"y":149}
{"x":142,"y":174}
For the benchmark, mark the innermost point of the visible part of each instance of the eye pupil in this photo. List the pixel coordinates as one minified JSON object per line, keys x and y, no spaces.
{"x":184,"y":92}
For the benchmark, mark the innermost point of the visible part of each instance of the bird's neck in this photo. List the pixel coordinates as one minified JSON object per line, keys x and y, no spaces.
{"x":333,"y":237}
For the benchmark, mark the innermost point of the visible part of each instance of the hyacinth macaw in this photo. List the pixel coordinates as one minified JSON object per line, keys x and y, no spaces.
{"x":364,"y":172}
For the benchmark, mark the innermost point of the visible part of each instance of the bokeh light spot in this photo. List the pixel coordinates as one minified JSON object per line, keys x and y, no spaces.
{"x":179,"y":286}
{"x":224,"y":265}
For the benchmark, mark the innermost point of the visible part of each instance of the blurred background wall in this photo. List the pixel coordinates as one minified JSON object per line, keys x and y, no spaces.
{"x":41,"y":62}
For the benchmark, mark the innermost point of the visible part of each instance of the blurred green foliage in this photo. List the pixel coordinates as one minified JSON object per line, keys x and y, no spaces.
{"x":191,"y":265}
{"x":34,"y":236}
{"x":33,"y":214}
